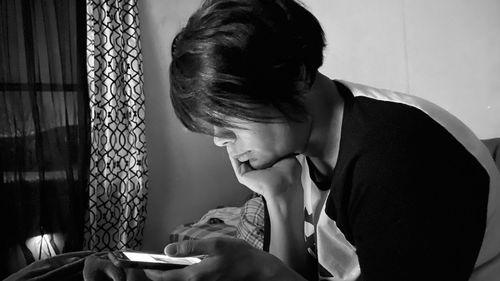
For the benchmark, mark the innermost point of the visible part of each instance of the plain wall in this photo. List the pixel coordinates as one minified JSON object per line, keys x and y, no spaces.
{"x":188,"y":175}
{"x":446,"y":51}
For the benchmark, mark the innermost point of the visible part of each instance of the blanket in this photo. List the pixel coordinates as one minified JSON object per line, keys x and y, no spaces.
{"x":69,"y":266}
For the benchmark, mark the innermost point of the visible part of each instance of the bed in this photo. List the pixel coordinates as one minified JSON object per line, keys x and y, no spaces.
{"x":249,"y":226}
{"x":246,"y":222}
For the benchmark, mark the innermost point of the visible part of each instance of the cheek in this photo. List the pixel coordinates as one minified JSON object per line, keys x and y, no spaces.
{"x":256,"y":142}
{"x":268,"y":141}
{"x":282,"y":139}
{"x":251,"y":141}
{"x":272,"y":144}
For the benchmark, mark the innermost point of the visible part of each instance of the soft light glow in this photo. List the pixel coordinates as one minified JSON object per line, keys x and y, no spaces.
{"x":45,"y":245}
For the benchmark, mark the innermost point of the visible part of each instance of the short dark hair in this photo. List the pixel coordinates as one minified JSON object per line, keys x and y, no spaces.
{"x":236,"y":57}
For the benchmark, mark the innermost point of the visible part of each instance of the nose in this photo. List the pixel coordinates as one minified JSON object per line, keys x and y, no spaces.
{"x":223,"y":140}
{"x":223,"y":137}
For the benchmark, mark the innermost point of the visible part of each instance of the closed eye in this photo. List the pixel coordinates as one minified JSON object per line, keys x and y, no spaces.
{"x":223,"y":133}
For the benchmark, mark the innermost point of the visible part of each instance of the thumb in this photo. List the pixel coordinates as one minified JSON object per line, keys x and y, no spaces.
{"x":189,"y":248}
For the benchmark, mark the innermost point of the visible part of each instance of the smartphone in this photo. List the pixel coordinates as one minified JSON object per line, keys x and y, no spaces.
{"x":145,"y":260}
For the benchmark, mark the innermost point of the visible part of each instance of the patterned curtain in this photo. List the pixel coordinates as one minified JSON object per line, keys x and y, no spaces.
{"x":118,"y":168}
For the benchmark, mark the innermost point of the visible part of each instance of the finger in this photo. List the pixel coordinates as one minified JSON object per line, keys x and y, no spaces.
{"x":242,"y":172}
{"x":169,"y":275}
{"x":115,"y":273}
{"x":202,"y":247}
{"x":191,"y":272}
{"x":186,"y":248}
{"x":235,"y":164}
{"x":240,"y":169}
{"x":99,"y":268}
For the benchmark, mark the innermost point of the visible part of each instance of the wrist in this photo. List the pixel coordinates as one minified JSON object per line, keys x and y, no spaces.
{"x":284,"y":209}
{"x":283,"y":201}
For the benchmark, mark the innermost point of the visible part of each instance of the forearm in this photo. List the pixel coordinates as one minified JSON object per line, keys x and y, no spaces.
{"x":287,"y":233}
{"x":281,"y":186}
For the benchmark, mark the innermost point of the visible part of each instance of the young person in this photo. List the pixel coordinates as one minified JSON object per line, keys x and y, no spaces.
{"x":360,"y":183}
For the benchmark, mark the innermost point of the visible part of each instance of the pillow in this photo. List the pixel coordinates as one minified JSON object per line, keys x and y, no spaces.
{"x":190,"y":231}
{"x":251,"y":225}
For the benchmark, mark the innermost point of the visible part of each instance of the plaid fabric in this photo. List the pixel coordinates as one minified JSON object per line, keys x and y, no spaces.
{"x":202,"y":231}
{"x":251,"y":226}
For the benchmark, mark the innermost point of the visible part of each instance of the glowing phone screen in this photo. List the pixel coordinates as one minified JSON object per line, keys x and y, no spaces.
{"x":144,"y":257}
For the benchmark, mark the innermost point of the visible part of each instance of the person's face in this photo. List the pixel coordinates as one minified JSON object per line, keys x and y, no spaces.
{"x":262,"y":144}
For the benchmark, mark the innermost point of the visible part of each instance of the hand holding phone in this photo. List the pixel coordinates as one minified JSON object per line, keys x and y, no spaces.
{"x":136,"y":259}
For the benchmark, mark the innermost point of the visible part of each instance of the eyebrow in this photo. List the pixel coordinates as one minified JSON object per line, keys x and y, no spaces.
{"x":224,"y":132}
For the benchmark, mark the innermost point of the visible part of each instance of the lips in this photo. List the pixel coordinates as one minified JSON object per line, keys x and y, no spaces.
{"x":242,"y":157}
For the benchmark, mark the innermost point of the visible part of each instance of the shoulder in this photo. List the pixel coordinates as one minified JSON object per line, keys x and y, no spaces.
{"x":384,"y":125}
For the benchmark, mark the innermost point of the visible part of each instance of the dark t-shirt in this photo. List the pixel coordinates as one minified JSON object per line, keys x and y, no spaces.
{"x":406,"y":193}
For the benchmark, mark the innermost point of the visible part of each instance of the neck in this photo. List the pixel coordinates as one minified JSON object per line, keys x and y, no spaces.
{"x":325,"y":106}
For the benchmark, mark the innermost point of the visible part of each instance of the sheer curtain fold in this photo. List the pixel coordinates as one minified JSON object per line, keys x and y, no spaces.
{"x":118,"y":167}
{"x":43,"y":129}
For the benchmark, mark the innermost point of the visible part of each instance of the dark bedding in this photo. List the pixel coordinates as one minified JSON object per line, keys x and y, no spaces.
{"x":69,"y":266}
